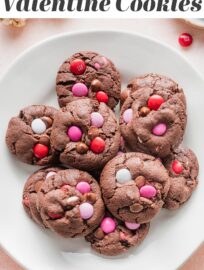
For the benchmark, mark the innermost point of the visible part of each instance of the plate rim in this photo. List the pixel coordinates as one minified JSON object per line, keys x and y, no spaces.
{"x":95,"y":31}
{"x":195,"y":23}
{"x":83,"y":32}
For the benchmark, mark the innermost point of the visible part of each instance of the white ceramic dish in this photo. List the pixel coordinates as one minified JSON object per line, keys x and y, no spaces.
{"x":31,"y":80}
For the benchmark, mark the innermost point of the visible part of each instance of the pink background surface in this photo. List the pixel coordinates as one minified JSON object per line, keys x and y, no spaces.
{"x":14,"y":41}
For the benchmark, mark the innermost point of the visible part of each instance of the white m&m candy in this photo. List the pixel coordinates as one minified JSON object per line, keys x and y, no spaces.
{"x":123,"y":176}
{"x":38,"y":126}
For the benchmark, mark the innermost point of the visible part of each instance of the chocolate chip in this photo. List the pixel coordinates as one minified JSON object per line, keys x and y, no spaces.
{"x":126,"y":243}
{"x":90,"y":197}
{"x":136,"y":208}
{"x":124,"y":95}
{"x":93,"y":133}
{"x":48,"y":121}
{"x":158,"y":149}
{"x":37,"y":186}
{"x":144,"y":111}
{"x":99,"y":233}
{"x":158,"y":186}
{"x":96,"y":85}
{"x":45,"y":140}
{"x":140,"y":181}
{"x":145,"y":201}
{"x":82,"y":148}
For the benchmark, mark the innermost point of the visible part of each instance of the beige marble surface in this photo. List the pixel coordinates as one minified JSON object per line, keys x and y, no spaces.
{"x":15,"y":41}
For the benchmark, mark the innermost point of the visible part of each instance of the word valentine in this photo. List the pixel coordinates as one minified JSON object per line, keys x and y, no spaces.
{"x":103,"y":5}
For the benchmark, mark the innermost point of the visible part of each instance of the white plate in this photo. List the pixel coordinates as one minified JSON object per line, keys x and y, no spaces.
{"x":31,"y":80}
{"x":196,"y":22}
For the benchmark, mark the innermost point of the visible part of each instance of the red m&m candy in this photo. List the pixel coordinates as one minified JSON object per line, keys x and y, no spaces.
{"x":155,"y":101}
{"x":78,"y":67}
{"x":185,"y":40}
{"x":97,"y":145}
{"x":177,"y":167}
{"x":102,"y":97}
{"x":40,"y":150}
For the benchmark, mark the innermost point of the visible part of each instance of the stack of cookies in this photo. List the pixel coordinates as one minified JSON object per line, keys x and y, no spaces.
{"x":104,"y":180}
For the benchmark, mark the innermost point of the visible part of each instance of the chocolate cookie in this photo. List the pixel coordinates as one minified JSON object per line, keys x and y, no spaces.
{"x":157,"y":82}
{"x":115,"y":237}
{"x":32,"y":186}
{"x":183,"y":169}
{"x":88,"y":74}
{"x":153,"y":121}
{"x":70,"y":203}
{"x":28,"y":135}
{"x":134,"y":186}
{"x":86,"y":134}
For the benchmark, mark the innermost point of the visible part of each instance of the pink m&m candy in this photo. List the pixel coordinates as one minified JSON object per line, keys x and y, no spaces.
{"x":83,"y":187}
{"x":79,"y":90}
{"x":86,"y":210}
{"x":74,"y":133}
{"x":50,"y":174}
{"x":97,"y":119}
{"x":97,"y":66}
{"x":148,"y":191}
{"x":160,"y":129}
{"x":108,"y":225}
{"x":127,"y":116}
{"x":132,"y":226}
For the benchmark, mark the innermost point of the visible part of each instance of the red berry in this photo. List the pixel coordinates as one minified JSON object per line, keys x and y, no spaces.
{"x":78,"y":67}
{"x":177,"y":167}
{"x":155,"y":101}
{"x":185,"y":40}
{"x":97,"y":145}
{"x":102,"y":97}
{"x":40,"y":150}
{"x":54,"y":216}
{"x":26,"y":202}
